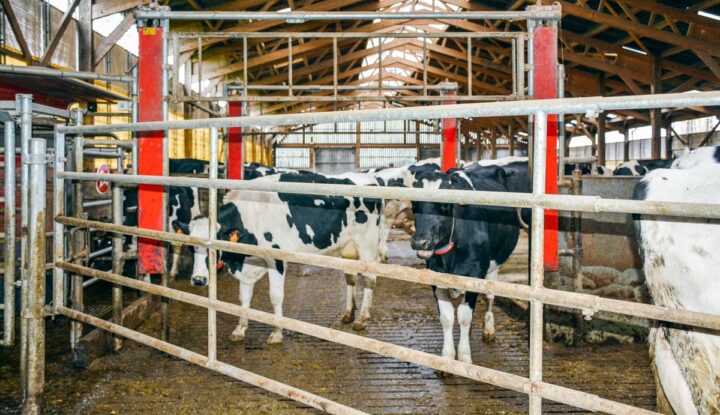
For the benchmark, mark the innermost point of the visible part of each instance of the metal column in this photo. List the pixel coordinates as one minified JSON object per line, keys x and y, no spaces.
{"x":545,"y":86}
{"x":151,"y":209}
{"x":79,"y":243}
{"x":24,"y":105}
{"x":449,"y":146}
{"x":234,"y":168}
{"x":34,"y":312}
{"x":9,"y":300}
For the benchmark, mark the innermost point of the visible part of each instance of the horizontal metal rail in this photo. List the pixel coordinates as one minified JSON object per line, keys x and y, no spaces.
{"x":484,"y":109}
{"x":479,"y":373}
{"x":347,"y":35}
{"x":593,"y":204}
{"x":35,"y":70}
{"x":251,"y":378}
{"x":590,"y":304}
{"x":144,"y":14}
{"x":91,"y":142}
{"x":348,"y":98}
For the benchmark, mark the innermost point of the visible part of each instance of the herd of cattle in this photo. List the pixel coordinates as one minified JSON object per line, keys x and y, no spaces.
{"x":679,"y":258}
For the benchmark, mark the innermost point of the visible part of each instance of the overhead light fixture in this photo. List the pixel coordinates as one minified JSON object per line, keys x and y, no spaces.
{"x":642,"y":52}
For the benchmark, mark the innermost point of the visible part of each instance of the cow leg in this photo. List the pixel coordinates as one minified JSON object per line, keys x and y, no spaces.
{"x":447,"y":320}
{"x":364,"y":316}
{"x":349,"y":315}
{"x":246,"y":293}
{"x":176,"y":251}
{"x":465,"y":313}
{"x":277,"y":293}
{"x":489,"y":326}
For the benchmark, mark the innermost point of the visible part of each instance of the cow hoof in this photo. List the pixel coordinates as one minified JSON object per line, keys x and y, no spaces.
{"x":489,"y":328}
{"x":237,"y":336}
{"x":359,"y":325}
{"x":275,"y":338}
{"x":348,"y":317}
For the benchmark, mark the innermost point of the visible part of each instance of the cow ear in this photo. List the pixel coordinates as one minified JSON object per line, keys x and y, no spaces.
{"x":180,"y":227}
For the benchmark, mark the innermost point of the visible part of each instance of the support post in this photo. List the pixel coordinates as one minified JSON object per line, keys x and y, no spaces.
{"x":117,"y":256}
{"x":34,"y":312}
{"x":151,"y":209}
{"x":449,"y":146}
{"x":626,"y":143}
{"x":85,"y":36}
{"x":601,"y":147}
{"x":545,"y":86}
{"x":212,"y":252}
{"x":234,"y":168}
{"x":24,"y":102}
{"x":79,"y":245}
{"x":9,"y":170}
{"x":656,"y":114}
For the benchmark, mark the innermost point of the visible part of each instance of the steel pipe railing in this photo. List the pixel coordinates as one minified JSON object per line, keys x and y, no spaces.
{"x":479,"y":373}
{"x":345,"y":35}
{"x":251,"y":378}
{"x":10,"y":253}
{"x":592,"y":204}
{"x":36,"y":70}
{"x":483,"y":109}
{"x":298,"y":17}
{"x":590,"y":304}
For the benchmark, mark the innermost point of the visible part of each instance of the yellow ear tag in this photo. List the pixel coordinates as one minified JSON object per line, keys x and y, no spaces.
{"x":179,"y":231}
{"x":234,"y":237}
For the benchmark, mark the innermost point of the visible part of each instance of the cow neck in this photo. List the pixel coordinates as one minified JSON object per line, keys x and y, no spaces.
{"x":450,"y":245}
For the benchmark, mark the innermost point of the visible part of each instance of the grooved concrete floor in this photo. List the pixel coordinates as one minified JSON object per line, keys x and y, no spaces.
{"x":141,"y":380}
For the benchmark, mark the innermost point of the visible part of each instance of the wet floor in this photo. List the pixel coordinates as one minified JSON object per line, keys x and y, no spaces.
{"x":141,"y":380}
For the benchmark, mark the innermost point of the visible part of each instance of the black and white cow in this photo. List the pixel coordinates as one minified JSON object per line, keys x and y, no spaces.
{"x":641,"y":167}
{"x":328,"y":225}
{"x":697,"y":157}
{"x":587,"y":169}
{"x":463,"y":240}
{"x":680,"y":261}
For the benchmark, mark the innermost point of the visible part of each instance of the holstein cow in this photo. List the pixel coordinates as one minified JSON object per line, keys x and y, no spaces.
{"x":699,"y":156}
{"x":328,"y":225}
{"x":640,"y":167}
{"x":464,"y":240}
{"x":680,"y":260}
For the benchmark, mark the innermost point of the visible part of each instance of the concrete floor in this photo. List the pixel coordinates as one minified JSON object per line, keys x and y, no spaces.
{"x":141,"y":380}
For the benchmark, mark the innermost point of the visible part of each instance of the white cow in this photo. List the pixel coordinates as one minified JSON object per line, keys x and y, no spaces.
{"x":680,"y":263}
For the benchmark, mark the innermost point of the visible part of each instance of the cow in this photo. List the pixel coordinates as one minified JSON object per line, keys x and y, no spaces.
{"x":463,"y":240}
{"x":680,"y":264}
{"x":699,"y":156}
{"x":641,"y":167}
{"x":587,"y":169}
{"x":329,"y":225}
{"x":188,"y":166}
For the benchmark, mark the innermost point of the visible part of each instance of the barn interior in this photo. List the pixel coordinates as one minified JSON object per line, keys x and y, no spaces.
{"x":96,"y":320}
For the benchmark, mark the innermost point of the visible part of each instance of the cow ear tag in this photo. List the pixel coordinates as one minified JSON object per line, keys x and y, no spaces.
{"x":234,"y":236}
{"x":179,"y":231}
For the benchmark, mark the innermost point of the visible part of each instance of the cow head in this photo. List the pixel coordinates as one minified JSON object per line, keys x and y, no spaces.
{"x":434,"y":221}
{"x":199,"y":227}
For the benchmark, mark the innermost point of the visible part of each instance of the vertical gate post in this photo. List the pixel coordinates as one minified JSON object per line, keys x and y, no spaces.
{"x":79,"y":244}
{"x":117,"y":256}
{"x":545,"y":86}
{"x":449,"y":145}
{"x":234,"y":167}
{"x":9,"y":170}
{"x":34,"y":312}
{"x":151,"y":209}
{"x":24,"y":107}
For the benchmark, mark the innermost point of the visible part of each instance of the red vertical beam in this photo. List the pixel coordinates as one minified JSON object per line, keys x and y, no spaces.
{"x":545,"y":78}
{"x":151,"y":254}
{"x":235,"y":144}
{"x":448,"y":158}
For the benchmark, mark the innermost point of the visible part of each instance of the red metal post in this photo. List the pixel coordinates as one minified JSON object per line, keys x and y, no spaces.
{"x":151,"y":253}
{"x":448,"y":158}
{"x":545,"y":78}
{"x":235,"y":144}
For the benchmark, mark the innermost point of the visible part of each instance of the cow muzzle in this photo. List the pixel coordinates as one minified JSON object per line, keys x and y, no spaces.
{"x":423,"y":247}
{"x":199,"y":281}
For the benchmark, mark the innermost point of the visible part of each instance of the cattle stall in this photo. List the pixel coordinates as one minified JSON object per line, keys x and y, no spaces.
{"x":394,"y":365}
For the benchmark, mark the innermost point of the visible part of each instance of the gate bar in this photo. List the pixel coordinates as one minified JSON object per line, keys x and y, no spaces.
{"x":300,"y":17}
{"x":251,"y":378}
{"x":484,"y":109}
{"x":478,"y":373}
{"x":588,"y":303}
{"x":10,"y":254}
{"x":592,"y":204}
